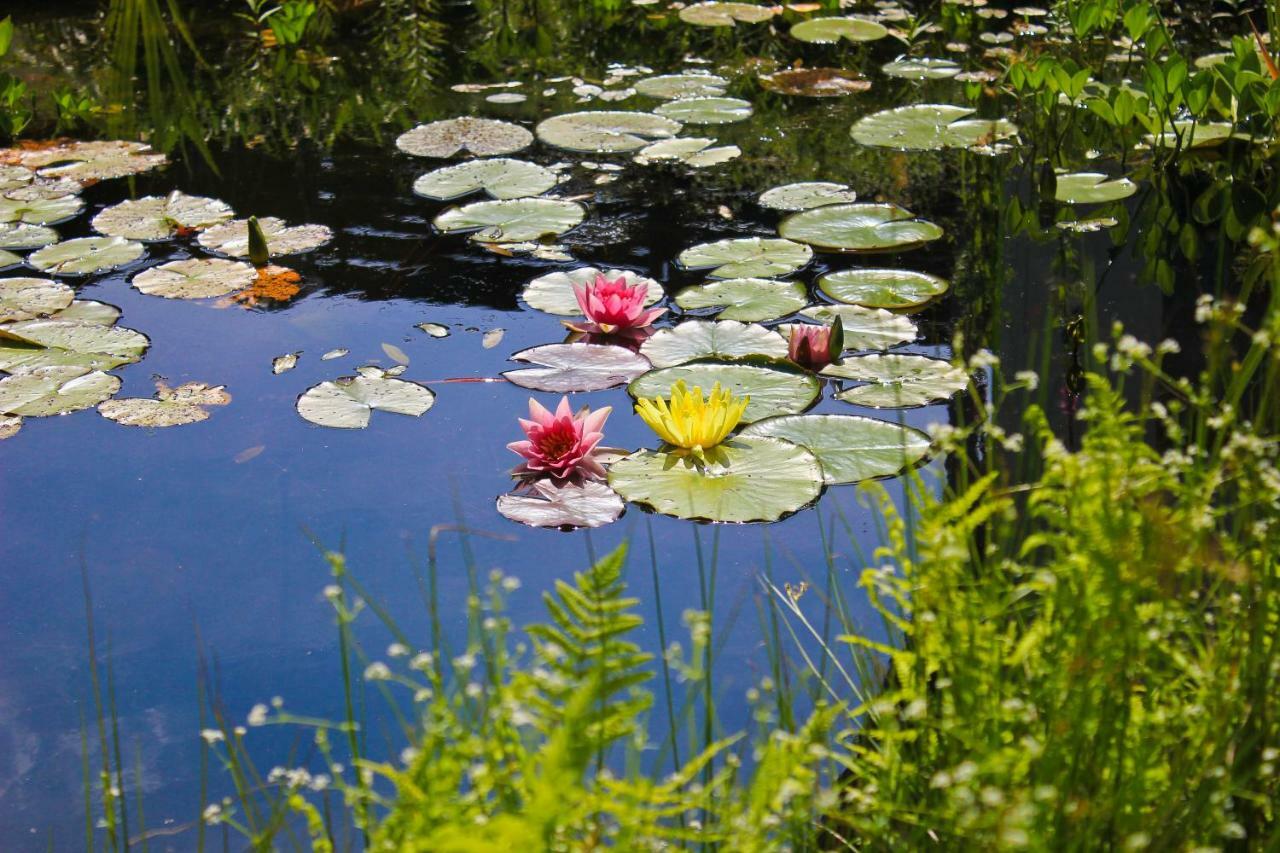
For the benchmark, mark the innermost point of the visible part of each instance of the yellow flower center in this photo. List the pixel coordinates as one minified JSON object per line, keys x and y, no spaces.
{"x":691,"y":421}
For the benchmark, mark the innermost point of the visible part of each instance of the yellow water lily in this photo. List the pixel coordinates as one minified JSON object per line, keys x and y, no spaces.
{"x":691,"y":421}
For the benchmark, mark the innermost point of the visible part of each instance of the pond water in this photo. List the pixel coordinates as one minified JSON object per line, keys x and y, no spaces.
{"x":199,"y":542}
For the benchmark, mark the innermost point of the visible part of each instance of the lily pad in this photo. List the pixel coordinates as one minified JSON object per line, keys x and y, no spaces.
{"x":865,"y":328}
{"x":12,"y":177}
{"x":86,"y":255}
{"x":691,"y":151}
{"x":750,"y":300}
{"x":41,"y":211}
{"x":882,"y":288}
{"x":26,"y":298}
{"x":500,"y":177}
{"x":897,"y":381}
{"x":88,"y":311}
{"x":232,"y":238}
{"x":45,"y":188}
{"x":743,"y":480}
{"x":185,"y":404}
{"x":198,"y":278}
{"x":859,"y":228}
{"x":553,"y":292}
{"x":570,"y":368}
{"x":55,"y":390}
{"x":349,"y":402}
{"x":1092,"y":188}
{"x":700,"y":339}
{"x":22,"y":235}
{"x":1193,"y":134}
{"x":606,"y":130}
{"x":9,"y":426}
{"x":9,"y":259}
{"x":815,"y":82}
{"x":512,"y":221}
{"x":831,"y":30}
{"x":43,"y":343}
{"x":95,"y":161}
{"x":747,"y":257}
{"x":672,"y":86}
{"x":483,"y":137}
{"x":153,"y":218}
{"x":930,"y":127}
{"x":775,"y":387}
{"x":706,"y":110}
{"x":921,"y":68}
{"x":565,"y":505}
{"x":806,"y":195}
{"x":716,"y":14}
{"x":850,"y":448}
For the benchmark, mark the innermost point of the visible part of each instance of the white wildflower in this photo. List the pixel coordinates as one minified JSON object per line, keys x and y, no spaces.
{"x":258,"y":715}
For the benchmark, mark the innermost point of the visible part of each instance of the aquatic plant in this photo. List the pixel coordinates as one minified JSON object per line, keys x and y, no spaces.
{"x":560,"y":445}
{"x":611,"y":305}
{"x":691,"y":421}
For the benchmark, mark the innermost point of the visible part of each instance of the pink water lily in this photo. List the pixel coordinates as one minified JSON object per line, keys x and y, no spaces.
{"x":560,"y":445}
{"x":613,"y":305}
{"x":815,"y":347}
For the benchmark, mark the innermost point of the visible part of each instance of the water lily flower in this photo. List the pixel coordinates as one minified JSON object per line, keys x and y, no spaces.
{"x":560,"y":445}
{"x":815,"y":347}
{"x":691,"y":422}
{"x":613,"y":305}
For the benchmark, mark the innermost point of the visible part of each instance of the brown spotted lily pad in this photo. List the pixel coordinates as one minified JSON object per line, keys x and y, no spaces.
{"x":815,"y":82}
{"x":185,"y":404}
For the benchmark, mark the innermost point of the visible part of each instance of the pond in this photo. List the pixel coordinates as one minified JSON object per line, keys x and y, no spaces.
{"x":198,"y":547}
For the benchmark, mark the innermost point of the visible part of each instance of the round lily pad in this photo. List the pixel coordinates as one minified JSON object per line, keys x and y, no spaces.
{"x":921,"y":68}
{"x":806,"y":195}
{"x":850,"y":448}
{"x":927,"y":127}
{"x":512,"y":221}
{"x":348,"y":402}
{"x":859,"y":228}
{"x":671,"y":86}
{"x":483,"y":137}
{"x":185,"y":404}
{"x":232,"y":238}
{"x":500,"y":177}
{"x":691,"y":151}
{"x":60,"y":343}
{"x":553,"y":292}
{"x":715,"y":14}
{"x":750,"y":300}
{"x":815,"y":82}
{"x":94,"y":161}
{"x":153,"y":218}
{"x":897,"y":380}
{"x":41,"y":211}
{"x":25,"y":298}
{"x":775,"y":387}
{"x":882,"y":288}
{"x":706,"y":110}
{"x":747,"y":257}
{"x":564,"y":505}
{"x":1092,"y":188}
{"x":831,"y":30}
{"x":22,"y":235}
{"x":44,"y":391}
{"x":724,"y":339}
{"x":606,"y":130}
{"x":743,"y":480}
{"x":570,"y":368}
{"x":865,"y":328}
{"x":198,"y":278}
{"x":86,"y":255}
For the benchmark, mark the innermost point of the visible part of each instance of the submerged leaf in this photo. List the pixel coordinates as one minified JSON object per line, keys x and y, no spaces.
{"x":815,"y":82}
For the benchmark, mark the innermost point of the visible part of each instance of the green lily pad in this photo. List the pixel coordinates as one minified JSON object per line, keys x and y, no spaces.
{"x":696,"y":152}
{"x":88,"y":311}
{"x":564,"y":505}
{"x":700,"y":339}
{"x":186,"y":404}
{"x":775,"y":387}
{"x":605,"y":130}
{"x":743,"y":480}
{"x":865,"y":328}
{"x":882,"y":288}
{"x":22,"y":235}
{"x":747,"y":257}
{"x":45,"y":188}
{"x":706,"y":110}
{"x":349,"y":402}
{"x":45,"y":391}
{"x":86,"y":255}
{"x":716,"y":14}
{"x":483,"y":137}
{"x":12,"y":177}
{"x":672,"y":86}
{"x":831,"y":30}
{"x":750,"y":300}
{"x":1092,"y":188}
{"x":806,"y":195}
{"x":60,"y":343}
{"x":500,"y":177}
{"x":153,"y":218}
{"x":921,"y":68}
{"x":232,"y":238}
{"x":41,"y":211}
{"x":198,"y":278}
{"x":26,"y":298}
{"x":1208,"y":134}
{"x":9,"y":259}
{"x":95,"y":161}
{"x":571,"y":368}
{"x":930,"y":127}
{"x":897,"y":381}
{"x":850,"y":448}
{"x":553,"y":292}
{"x":512,"y":221}
{"x":859,"y":228}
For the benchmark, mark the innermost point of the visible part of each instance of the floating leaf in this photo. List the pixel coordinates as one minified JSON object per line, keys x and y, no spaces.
{"x":435,"y":330}
{"x":492,"y":338}
{"x":1190,"y":134}
{"x":715,"y":14}
{"x":672,"y":86}
{"x":9,"y":259}
{"x":348,"y":402}
{"x":154,"y":218}
{"x":185,"y":404}
{"x":926,"y":127}
{"x":23,"y":235}
{"x":86,"y":255}
{"x":55,"y":390}
{"x":748,"y":299}
{"x":553,"y":292}
{"x":284,"y":363}
{"x":483,"y":137}
{"x":563,"y":505}
{"x":232,"y":238}
{"x":815,"y":82}
{"x":41,"y":211}
{"x":859,"y":228}
{"x":744,"y":480}
{"x":1092,"y":188}
{"x":882,"y":288}
{"x":94,"y":161}
{"x":865,"y":328}
{"x":512,"y":221}
{"x":9,"y":426}
{"x":25,"y":298}
{"x":806,"y":195}
{"x":501,"y":178}
{"x":747,"y":257}
{"x":696,"y":152}
{"x":775,"y":387}
{"x":1088,"y":226}
{"x":198,"y":278}
{"x":43,"y":343}
{"x":831,"y":30}
{"x":12,"y":177}
{"x":605,"y":130}
{"x":897,"y":381}
{"x":88,"y":311}
{"x":570,"y":368}
{"x":706,"y":110}
{"x":45,"y":188}
{"x":850,"y":448}
{"x":921,"y":68}
{"x":725,"y":339}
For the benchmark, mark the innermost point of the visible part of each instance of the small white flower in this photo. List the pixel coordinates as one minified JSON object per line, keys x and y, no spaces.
{"x":333,"y":592}
{"x":1029,"y":378}
{"x":397,"y":650}
{"x":422,"y":661}
{"x":377,"y":671}
{"x":212,"y":813}
{"x":258,"y":715}
{"x":211,"y":736}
